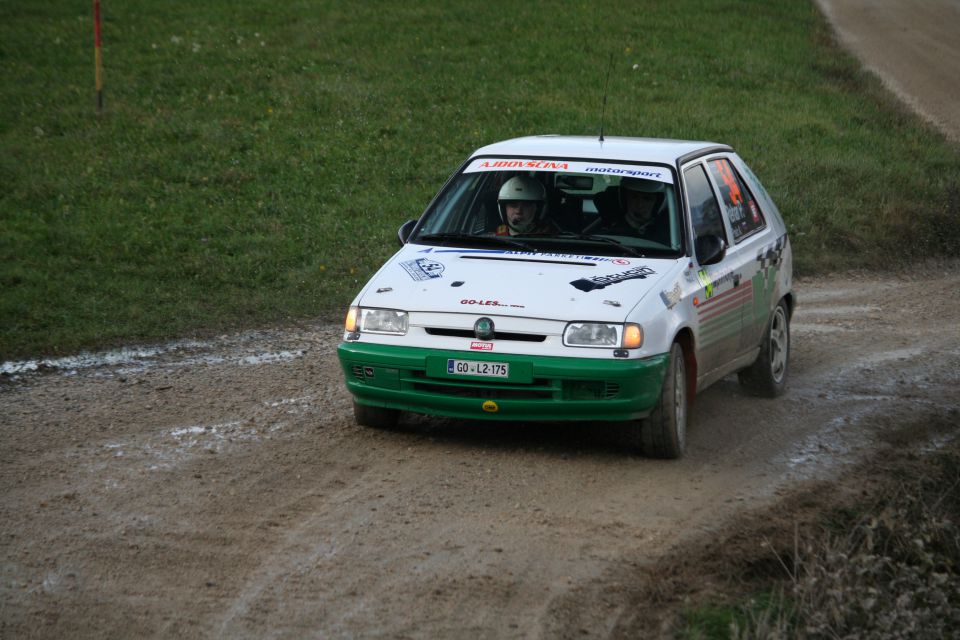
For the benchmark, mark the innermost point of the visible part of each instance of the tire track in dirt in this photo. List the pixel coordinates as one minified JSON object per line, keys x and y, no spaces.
{"x":215,"y":490}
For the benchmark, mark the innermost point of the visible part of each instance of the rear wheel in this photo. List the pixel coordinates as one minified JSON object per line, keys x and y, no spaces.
{"x":376,"y":417}
{"x":663,"y":434}
{"x":767,"y":376}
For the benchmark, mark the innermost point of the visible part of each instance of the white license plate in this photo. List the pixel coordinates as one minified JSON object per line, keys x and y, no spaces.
{"x":474,"y":368}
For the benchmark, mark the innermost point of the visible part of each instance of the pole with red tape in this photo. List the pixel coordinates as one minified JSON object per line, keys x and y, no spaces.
{"x":98,"y":58}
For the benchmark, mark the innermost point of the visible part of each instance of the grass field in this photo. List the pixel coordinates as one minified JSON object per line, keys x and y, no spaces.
{"x":255,"y":159}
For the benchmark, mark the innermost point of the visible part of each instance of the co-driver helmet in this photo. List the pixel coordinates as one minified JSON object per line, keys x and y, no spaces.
{"x":654,"y":189}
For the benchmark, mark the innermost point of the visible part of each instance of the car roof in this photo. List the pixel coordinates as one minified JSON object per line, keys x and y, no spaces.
{"x":611,"y":148}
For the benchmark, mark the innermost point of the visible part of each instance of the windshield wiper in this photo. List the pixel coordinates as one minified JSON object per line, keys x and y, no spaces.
{"x":485,"y":240}
{"x":604,"y":239}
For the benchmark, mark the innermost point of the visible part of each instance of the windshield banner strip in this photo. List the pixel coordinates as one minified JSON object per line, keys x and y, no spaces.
{"x":541,"y":254}
{"x":659,"y":174}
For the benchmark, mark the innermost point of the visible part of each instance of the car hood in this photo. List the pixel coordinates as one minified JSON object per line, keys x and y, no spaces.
{"x":497,"y":282}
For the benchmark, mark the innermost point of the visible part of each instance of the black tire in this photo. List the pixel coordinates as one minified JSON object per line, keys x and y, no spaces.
{"x":663,"y":434}
{"x":375,"y":417}
{"x":767,"y":376}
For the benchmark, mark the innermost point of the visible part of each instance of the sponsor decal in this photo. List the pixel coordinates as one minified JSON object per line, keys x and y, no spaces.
{"x":491,"y":303}
{"x":672,"y":297}
{"x":726,"y":174}
{"x":600,"y":282}
{"x":712,"y":283}
{"x":538,"y":254}
{"x":721,"y":302}
{"x":770,"y":255}
{"x":422,"y":268}
{"x":623,"y":171}
{"x":481,"y":346}
{"x":707,"y":283}
{"x":722,"y":316}
{"x":523,"y":164}
{"x":594,"y":167}
{"x":490,"y":406}
{"x":766,"y":280}
{"x":569,"y":256}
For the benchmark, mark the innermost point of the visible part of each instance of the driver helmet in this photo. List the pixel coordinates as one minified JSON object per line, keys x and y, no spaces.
{"x":522,"y":189}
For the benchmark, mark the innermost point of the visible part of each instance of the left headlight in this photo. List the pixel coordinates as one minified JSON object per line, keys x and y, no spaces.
{"x":388,"y":321}
{"x":605,"y":335}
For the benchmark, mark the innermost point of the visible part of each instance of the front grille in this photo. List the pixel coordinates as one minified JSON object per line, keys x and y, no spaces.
{"x":357,"y":371}
{"x":500,"y":335}
{"x":538,"y":389}
{"x":485,"y":393}
{"x":591,"y":390}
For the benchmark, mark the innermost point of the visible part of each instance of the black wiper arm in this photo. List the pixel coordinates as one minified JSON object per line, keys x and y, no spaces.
{"x":486,"y":240}
{"x":605,"y":239}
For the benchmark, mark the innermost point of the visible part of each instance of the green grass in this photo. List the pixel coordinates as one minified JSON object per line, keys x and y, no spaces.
{"x":880,"y":562}
{"x":255,"y":158}
{"x":727,"y":621}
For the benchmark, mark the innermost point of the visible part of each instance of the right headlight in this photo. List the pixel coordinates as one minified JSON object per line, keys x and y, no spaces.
{"x":387,"y":321}
{"x":604,"y":335}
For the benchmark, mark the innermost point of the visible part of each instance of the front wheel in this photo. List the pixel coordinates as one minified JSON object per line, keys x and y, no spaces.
{"x":767,"y":376}
{"x":376,"y":417}
{"x":663,"y":434}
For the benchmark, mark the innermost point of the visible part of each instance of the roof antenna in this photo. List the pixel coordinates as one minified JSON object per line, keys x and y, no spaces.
{"x":603,"y":109}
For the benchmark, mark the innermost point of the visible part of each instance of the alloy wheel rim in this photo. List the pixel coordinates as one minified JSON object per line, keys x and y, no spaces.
{"x":779,"y":343}
{"x":680,"y":400}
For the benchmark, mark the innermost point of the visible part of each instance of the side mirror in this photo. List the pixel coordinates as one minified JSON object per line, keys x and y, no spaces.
{"x":710,"y":249}
{"x":403,"y":233}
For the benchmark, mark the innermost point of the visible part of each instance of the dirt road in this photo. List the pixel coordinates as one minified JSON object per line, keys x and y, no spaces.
{"x":221,"y":489}
{"x":913,"y":46}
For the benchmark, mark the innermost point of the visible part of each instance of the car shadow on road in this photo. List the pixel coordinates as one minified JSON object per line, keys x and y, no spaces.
{"x":552,"y":438}
{"x":613,"y":440}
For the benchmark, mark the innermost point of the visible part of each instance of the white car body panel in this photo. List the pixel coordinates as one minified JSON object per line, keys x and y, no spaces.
{"x":522,"y":292}
{"x":446,"y":288}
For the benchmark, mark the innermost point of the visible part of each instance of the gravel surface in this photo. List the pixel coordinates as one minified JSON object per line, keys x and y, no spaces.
{"x":221,"y":488}
{"x":913,"y":46}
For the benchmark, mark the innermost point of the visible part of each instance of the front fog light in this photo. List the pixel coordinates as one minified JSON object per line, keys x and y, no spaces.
{"x":388,"y":321}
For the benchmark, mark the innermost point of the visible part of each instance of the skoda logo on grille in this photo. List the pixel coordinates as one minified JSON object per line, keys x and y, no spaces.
{"x":483,"y":329}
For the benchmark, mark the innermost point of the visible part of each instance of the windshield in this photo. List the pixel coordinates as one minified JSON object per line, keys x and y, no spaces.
{"x":546,"y":205}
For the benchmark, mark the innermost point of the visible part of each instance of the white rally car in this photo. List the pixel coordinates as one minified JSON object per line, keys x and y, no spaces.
{"x":574,"y":278}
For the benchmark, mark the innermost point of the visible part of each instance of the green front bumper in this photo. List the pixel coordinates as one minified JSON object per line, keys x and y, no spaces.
{"x":539,"y":388}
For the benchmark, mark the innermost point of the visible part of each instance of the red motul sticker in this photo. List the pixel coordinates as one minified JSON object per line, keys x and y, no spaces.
{"x":481,"y":346}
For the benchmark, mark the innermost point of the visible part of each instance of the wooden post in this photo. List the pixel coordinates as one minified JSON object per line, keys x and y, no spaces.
{"x":98,"y":59}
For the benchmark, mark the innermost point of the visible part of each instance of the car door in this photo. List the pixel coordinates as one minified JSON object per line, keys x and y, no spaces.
{"x":744,"y":263}
{"x":718,"y":314}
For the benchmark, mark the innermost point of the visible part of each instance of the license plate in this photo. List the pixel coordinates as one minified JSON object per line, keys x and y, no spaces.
{"x":474,"y":368}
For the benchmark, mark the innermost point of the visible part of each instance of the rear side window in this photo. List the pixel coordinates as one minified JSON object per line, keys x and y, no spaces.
{"x":741,"y":207}
{"x":704,"y":210}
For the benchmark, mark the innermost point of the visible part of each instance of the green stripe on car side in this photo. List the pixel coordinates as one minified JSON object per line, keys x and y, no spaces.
{"x":720,"y":327}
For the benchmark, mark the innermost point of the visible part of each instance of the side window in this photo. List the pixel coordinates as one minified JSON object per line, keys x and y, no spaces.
{"x":742,"y":209}
{"x":704,"y":210}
